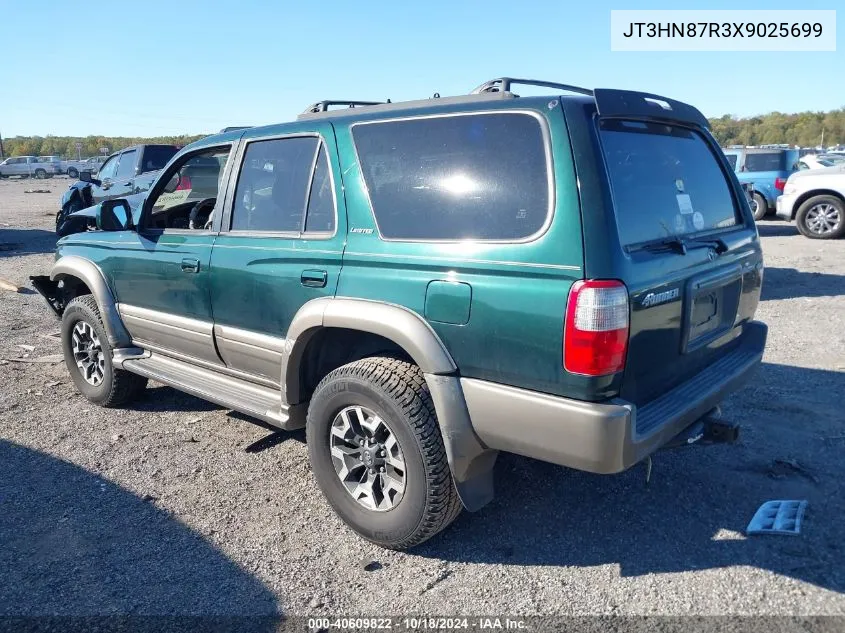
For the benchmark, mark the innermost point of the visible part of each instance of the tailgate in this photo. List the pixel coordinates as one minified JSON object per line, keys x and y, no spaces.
{"x":690,"y":257}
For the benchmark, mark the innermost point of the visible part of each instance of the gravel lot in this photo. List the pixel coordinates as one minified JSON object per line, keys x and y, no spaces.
{"x":175,"y":506}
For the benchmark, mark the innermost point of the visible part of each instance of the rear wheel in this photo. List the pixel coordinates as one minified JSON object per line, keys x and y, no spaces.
{"x":759,"y":206}
{"x":377,"y":453}
{"x":88,"y":356}
{"x":821,"y":218}
{"x":72,"y":172}
{"x":40,"y":174}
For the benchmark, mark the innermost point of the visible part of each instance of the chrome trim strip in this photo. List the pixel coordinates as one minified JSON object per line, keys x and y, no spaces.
{"x":550,"y":176}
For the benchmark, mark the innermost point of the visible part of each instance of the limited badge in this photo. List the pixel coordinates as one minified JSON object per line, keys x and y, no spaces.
{"x":698,"y":221}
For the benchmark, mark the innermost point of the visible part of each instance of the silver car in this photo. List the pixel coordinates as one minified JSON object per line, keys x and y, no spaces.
{"x":25,"y":166}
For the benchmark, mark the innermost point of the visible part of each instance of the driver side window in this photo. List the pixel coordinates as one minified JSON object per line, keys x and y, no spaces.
{"x":189,"y":195}
{"x":108,"y":168}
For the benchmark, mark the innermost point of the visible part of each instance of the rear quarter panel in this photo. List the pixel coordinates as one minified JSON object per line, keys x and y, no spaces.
{"x":518,"y":290}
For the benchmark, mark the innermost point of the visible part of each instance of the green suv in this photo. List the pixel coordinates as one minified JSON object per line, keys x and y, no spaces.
{"x":424,"y":284}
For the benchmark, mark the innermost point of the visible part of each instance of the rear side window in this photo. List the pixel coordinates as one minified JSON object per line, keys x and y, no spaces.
{"x":731,"y":160}
{"x":470,"y":177}
{"x":665,"y":180}
{"x":157,"y":156}
{"x":772,"y":161}
{"x":273,"y":185}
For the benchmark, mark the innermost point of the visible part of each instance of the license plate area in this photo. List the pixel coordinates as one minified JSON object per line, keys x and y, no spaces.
{"x":711,"y":301}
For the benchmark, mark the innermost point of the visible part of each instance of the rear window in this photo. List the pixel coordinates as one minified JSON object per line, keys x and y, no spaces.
{"x":157,"y":156}
{"x":467,"y":177}
{"x":770,"y":161}
{"x":665,"y":180}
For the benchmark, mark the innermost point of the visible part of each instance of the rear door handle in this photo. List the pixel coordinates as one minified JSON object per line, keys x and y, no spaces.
{"x":190,"y":265}
{"x":314,"y":278}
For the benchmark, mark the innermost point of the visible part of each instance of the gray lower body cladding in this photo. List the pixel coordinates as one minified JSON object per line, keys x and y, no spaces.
{"x":606,"y":437}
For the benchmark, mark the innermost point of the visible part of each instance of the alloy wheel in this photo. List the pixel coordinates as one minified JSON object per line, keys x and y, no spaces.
{"x":823,"y":218}
{"x":88,"y":353}
{"x":367,"y":458}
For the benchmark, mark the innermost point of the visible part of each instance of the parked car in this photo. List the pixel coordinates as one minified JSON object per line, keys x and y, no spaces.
{"x":74,"y":167}
{"x":767,"y":169}
{"x":25,"y":166}
{"x":812,"y":161}
{"x":53,"y":164}
{"x":422,"y":285}
{"x":129,"y":171}
{"x":815,"y":199}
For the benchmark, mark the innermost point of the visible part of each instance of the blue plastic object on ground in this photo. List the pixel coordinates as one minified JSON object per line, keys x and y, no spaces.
{"x":778,"y":517}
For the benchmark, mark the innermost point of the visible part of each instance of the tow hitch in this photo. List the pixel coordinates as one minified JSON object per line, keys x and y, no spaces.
{"x":711,"y":429}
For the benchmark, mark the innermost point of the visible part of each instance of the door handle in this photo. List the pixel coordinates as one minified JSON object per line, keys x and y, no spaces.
{"x":190,"y":265}
{"x":128,"y":183}
{"x":314,"y":278}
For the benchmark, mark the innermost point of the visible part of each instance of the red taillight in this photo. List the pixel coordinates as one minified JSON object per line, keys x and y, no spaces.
{"x":184,"y":183}
{"x":780,"y":183}
{"x":595,"y":336}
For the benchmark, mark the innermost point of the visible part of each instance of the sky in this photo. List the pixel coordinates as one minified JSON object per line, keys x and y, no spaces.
{"x":150,"y":68}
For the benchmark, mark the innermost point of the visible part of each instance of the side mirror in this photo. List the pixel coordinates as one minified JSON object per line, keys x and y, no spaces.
{"x":114,"y":215}
{"x":88,"y":176}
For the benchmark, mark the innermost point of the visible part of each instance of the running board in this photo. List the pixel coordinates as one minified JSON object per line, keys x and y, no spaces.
{"x":227,"y":391}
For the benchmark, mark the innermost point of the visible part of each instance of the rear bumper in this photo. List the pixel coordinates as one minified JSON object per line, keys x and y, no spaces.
{"x":611,"y":436}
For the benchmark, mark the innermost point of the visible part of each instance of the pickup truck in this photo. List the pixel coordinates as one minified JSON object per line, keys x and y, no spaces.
{"x":25,"y":166}
{"x":130,"y":171}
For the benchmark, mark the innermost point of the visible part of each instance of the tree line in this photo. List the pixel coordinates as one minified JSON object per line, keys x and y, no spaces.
{"x":65,"y":146}
{"x":807,"y":129}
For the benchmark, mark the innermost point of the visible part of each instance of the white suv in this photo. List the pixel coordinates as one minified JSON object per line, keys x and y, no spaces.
{"x":815,"y":199}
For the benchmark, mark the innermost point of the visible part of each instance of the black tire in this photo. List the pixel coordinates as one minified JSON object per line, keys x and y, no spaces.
{"x":40,"y":174}
{"x":809,"y":229}
{"x":395,"y":390}
{"x":117,"y":386}
{"x":72,"y":172}
{"x":761,"y":208}
{"x":66,"y":226}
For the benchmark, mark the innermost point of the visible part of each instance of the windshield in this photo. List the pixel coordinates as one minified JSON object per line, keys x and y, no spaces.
{"x":666,"y":181}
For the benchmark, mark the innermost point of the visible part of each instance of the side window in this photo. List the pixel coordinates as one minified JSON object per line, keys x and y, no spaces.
{"x":126,"y":167}
{"x":108,"y":168}
{"x":731,"y":160}
{"x":764,"y":162}
{"x":272,"y":189}
{"x":321,"y":209}
{"x":470,"y":177}
{"x":189,"y":196}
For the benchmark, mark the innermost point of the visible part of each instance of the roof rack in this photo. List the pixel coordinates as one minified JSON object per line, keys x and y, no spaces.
{"x":323,"y":106}
{"x":503,"y":84}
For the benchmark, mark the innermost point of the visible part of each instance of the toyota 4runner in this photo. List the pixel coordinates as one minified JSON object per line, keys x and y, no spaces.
{"x":424,"y":284}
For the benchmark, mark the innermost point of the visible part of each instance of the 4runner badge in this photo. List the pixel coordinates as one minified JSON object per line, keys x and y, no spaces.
{"x":653,"y":299}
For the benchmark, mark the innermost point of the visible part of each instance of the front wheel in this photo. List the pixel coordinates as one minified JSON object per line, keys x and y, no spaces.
{"x":376,"y":451}
{"x":40,"y":174}
{"x":821,"y":218}
{"x":72,"y":172}
{"x":88,"y":356}
{"x":759,"y":206}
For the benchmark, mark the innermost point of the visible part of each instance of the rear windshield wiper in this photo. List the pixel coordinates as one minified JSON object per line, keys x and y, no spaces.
{"x":679,"y":245}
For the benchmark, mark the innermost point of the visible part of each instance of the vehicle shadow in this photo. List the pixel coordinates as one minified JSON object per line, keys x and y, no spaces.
{"x":776,"y":229}
{"x":76,"y":544}
{"x":693,"y":514}
{"x":788,"y":283}
{"x":15,"y":242}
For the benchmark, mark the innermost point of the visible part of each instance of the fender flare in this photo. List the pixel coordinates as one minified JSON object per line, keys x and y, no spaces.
{"x":470,"y":460}
{"x":91,"y":275}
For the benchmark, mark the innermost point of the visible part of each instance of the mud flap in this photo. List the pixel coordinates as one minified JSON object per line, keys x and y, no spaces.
{"x":470,"y":461}
{"x":51,"y":292}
